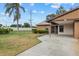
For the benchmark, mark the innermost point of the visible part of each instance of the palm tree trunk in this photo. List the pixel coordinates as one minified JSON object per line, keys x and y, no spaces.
{"x":17,"y":18}
{"x":17,"y":25}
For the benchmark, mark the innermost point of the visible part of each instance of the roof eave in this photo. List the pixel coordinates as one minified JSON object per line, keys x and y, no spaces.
{"x":62,"y":14}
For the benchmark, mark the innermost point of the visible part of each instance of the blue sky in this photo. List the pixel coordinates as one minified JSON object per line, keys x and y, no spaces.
{"x":39,"y":12}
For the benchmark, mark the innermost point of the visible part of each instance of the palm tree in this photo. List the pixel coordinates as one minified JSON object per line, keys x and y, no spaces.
{"x":13,"y":9}
{"x":60,"y":10}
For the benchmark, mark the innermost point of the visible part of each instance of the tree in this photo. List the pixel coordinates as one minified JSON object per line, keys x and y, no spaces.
{"x":15,"y":25}
{"x":26,"y":25}
{"x":50,"y":16}
{"x":13,"y":9}
{"x":60,"y":10}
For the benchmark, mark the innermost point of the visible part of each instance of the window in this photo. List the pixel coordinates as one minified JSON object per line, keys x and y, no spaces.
{"x":61,"y":28}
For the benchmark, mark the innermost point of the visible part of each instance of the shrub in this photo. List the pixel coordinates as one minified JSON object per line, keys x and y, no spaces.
{"x":5,"y":30}
{"x":34,"y":30}
{"x":42,"y":31}
{"x":39,"y":31}
{"x":45,"y":31}
{"x":10,"y":29}
{"x":1,"y":31}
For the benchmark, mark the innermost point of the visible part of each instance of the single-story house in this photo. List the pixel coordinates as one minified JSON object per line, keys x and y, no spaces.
{"x":43,"y":26}
{"x":66,"y":23}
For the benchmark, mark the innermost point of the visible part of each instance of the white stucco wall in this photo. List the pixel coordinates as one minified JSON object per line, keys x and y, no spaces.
{"x":68,"y":30}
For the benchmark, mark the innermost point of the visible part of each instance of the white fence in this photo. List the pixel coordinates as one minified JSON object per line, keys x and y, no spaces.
{"x":21,"y":29}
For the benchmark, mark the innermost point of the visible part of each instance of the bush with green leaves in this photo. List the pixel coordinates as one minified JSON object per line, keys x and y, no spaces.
{"x":42,"y":31}
{"x":39,"y":31}
{"x":34,"y":30}
{"x":10,"y":29}
{"x":5,"y":30}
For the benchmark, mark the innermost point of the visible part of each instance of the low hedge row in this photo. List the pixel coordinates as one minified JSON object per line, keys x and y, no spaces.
{"x":39,"y":31}
{"x":5,"y":30}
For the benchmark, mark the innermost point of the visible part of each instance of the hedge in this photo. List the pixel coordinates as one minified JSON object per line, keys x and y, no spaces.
{"x":5,"y":30}
{"x":39,"y":31}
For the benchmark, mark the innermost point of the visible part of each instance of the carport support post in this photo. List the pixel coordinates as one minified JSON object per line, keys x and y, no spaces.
{"x":50,"y":30}
{"x":58,"y":29}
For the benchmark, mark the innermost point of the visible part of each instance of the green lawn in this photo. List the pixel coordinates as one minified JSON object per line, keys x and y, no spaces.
{"x":17,"y":42}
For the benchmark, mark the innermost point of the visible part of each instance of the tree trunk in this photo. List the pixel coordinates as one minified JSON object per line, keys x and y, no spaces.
{"x":17,"y":25}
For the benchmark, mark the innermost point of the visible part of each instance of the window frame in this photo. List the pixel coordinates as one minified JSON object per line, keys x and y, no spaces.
{"x":61,"y":28}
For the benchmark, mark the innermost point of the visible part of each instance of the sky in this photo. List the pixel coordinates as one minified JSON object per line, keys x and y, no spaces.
{"x":39,"y":12}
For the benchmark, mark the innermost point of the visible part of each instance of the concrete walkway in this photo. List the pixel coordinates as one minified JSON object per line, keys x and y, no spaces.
{"x":54,"y":46}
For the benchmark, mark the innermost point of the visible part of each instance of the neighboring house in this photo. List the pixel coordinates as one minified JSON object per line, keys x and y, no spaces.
{"x":66,"y":23}
{"x":43,"y":26}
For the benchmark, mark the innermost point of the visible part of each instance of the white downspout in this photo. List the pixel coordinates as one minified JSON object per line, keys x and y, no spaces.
{"x":58,"y":29}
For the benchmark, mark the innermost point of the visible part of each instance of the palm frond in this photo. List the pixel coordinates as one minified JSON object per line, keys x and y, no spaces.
{"x":10,"y":13}
{"x":22,"y":8}
{"x":11,"y":8}
{"x":7,"y":10}
{"x":14,"y":18}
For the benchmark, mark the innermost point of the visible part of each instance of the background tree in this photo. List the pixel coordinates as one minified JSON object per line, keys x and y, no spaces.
{"x":15,"y":25}
{"x":13,"y":9}
{"x":60,"y":10}
{"x":50,"y":16}
{"x":26,"y":25}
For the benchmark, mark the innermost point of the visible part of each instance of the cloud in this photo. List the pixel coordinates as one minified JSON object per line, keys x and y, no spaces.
{"x":72,"y":4}
{"x":34,"y":11}
{"x":67,"y":9}
{"x":26,"y":10}
{"x":42,"y":12}
{"x":3,"y":14}
{"x":20,"y":3}
{"x":55,"y":5}
{"x":7,"y":14}
{"x":47,"y":4}
{"x":32,"y":4}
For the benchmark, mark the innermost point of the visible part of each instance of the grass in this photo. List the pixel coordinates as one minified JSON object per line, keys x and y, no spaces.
{"x":16,"y":42}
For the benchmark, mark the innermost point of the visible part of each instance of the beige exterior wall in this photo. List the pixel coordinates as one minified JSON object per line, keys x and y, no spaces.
{"x":68,"y":30}
{"x":76,"y":29}
{"x":42,"y":27}
{"x":71,"y":15}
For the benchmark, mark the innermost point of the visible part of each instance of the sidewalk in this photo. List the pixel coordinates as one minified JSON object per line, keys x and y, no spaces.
{"x":54,"y":46}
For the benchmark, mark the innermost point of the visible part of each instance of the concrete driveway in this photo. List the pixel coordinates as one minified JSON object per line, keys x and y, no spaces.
{"x":54,"y":46}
